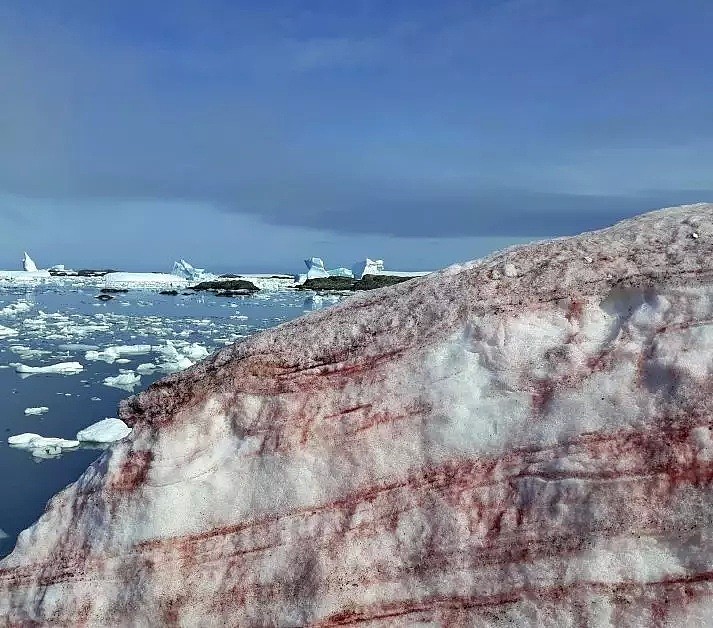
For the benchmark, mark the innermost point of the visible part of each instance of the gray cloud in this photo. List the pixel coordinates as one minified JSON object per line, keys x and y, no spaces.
{"x":268,"y":125}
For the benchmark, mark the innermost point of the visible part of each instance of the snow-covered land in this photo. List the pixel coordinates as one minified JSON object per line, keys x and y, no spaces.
{"x":144,"y":280}
{"x":525,"y":440}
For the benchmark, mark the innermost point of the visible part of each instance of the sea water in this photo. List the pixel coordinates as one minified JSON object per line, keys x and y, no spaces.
{"x":61,"y":324}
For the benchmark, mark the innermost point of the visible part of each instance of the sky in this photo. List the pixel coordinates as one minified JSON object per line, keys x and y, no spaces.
{"x":248,"y":135}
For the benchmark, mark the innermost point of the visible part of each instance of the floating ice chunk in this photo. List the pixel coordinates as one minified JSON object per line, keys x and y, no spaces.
{"x":7,"y":332}
{"x":77,"y":347}
{"x":126,"y":380}
{"x":3,"y":534}
{"x":340,"y":272}
{"x":36,"y":411}
{"x":19,"y":307}
{"x":146,"y":368}
{"x":104,"y":431}
{"x":35,"y":441}
{"x":112,"y":354}
{"x":63,"y":368}
{"x":28,"y":264}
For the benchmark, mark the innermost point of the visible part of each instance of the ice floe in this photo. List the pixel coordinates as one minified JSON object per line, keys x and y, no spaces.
{"x":41,"y":446}
{"x":7,"y":332}
{"x":104,"y":431}
{"x":62,"y":368}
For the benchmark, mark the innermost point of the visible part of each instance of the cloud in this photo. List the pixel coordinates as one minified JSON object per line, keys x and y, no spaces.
{"x":419,"y":123}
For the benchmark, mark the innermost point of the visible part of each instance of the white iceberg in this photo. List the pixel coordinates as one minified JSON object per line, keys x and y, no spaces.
{"x":104,"y":431}
{"x":315,"y":268}
{"x":28,"y":264}
{"x":126,"y":380}
{"x":63,"y":368}
{"x":36,"y":411}
{"x":184,"y":269}
{"x":114,"y":353}
{"x":368,"y":267}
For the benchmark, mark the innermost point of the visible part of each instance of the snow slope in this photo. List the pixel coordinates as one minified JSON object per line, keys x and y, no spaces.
{"x":522,"y":440}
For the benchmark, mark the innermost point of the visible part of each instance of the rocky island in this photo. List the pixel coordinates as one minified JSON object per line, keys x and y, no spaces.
{"x":521,"y":440}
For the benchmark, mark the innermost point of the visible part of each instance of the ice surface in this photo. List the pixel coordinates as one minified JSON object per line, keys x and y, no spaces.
{"x":28,"y":264}
{"x":104,"y":431}
{"x":62,"y":368}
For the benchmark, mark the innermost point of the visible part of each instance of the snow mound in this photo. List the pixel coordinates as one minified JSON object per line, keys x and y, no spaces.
{"x":472,"y":448}
{"x":104,"y":431}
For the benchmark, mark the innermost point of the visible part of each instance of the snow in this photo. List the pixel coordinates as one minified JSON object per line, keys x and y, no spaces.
{"x":36,"y":411}
{"x":126,"y":380}
{"x":62,"y":368}
{"x":104,"y":431}
{"x":28,"y":264}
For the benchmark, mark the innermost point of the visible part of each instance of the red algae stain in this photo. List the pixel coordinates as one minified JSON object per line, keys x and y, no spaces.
{"x":133,"y":471}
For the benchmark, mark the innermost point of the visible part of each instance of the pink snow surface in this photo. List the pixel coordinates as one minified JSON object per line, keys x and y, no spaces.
{"x":523,"y":440}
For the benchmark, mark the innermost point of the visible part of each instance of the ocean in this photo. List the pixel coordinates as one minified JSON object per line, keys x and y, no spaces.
{"x":55,"y":323}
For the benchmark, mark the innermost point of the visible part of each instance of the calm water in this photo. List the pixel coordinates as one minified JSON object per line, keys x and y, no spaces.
{"x":49,"y":319}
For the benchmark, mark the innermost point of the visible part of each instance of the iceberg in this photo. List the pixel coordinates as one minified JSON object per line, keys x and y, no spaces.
{"x":315,"y":268}
{"x":472,"y":448}
{"x":28,"y":264}
{"x":368,"y":267}
{"x":104,"y":431}
{"x":185,"y":270}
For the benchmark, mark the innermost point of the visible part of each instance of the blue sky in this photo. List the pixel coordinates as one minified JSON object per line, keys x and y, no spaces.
{"x":249,"y":135}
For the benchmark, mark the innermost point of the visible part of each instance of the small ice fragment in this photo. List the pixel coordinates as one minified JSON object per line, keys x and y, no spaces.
{"x":146,"y":368}
{"x":104,"y":431}
{"x":7,"y":332}
{"x":36,"y":411}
